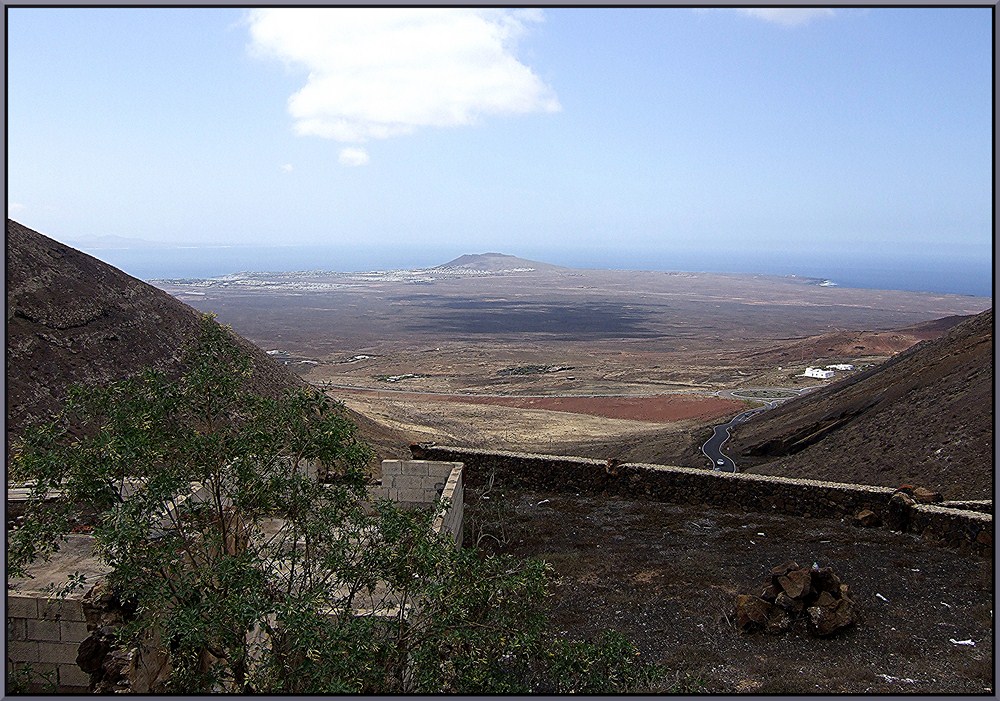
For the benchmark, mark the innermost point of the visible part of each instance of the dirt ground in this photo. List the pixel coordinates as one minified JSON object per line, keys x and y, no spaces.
{"x":682,"y":423}
{"x":666,"y":576}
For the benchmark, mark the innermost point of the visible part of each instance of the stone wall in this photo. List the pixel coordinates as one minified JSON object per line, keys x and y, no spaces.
{"x":45,"y":632}
{"x":966,"y":530}
{"x":955,"y":528}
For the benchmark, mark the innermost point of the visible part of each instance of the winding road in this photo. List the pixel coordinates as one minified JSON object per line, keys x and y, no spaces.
{"x":712,"y":449}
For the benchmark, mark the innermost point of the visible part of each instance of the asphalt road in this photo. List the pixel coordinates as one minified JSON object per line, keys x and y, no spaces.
{"x":713,"y":446}
{"x":712,"y":449}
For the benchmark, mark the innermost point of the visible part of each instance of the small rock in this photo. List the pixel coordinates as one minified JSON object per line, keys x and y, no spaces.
{"x":797,"y":583}
{"x":825,"y":579}
{"x":789,"y":604}
{"x":785,"y":568}
{"x":867,"y":518}
{"x":827,"y":620}
{"x":898,"y":512}
{"x":825,"y":600}
{"x":92,"y":651}
{"x":926,"y":496}
{"x":753,"y":613}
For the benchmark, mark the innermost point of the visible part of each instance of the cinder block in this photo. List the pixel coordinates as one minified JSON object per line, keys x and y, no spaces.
{"x":59,"y":653}
{"x":17,"y":628}
{"x":20,"y":606}
{"x":391,"y":467}
{"x":73,"y":631}
{"x":410,"y":482}
{"x":71,"y":675}
{"x":43,"y":630}
{"x":410,"y":495}
{"x":419,"y":468}
{"x":22,"y":651}
{"x":61,"y":609}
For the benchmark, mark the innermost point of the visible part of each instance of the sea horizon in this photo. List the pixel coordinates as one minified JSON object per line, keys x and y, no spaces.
{"x":961,"y":275}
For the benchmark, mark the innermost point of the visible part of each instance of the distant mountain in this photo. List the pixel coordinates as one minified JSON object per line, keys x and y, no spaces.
{"x":495,"y":263}
{"x":925,"y":417}
{"x":73,"y":319}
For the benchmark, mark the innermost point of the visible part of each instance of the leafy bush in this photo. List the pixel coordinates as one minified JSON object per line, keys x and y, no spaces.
{"x":254,"y":576}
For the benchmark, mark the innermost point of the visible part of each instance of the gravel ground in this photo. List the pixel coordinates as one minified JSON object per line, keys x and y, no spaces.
{"x":667,"y":575}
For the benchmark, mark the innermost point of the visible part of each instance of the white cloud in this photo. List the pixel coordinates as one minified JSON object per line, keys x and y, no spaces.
{"x":14,"y":207}
{"x":286,"y":168}
{"x":375,"y":73}
{"x":787,"y":16}
{"x":353,"y":156}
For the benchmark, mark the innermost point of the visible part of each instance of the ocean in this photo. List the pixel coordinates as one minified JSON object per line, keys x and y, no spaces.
{"x":969,"y":275}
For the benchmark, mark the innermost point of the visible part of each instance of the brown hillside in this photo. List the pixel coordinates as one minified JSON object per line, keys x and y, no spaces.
{"x":924,"y":417}
{"x":74,"y":319}
{"x":853,"y":344}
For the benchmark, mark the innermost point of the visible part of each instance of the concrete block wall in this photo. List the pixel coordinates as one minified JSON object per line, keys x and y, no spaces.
{"x":452,"y":520}
{"x":745,"y":492}
{"x":45,"y":632}
{"x":420,"y":483}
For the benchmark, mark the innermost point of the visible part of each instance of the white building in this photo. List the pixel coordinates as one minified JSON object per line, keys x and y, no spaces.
{"x":818,"y":373}
{"x":841,"y":366}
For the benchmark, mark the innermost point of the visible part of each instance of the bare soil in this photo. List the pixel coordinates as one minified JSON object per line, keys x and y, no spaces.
{"x":667,"y":575}
{"x":660,"y":409}
{"x":525,"y":353}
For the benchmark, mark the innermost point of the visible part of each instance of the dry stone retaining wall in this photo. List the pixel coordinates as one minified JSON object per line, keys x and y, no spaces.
{"x":965,"y":530}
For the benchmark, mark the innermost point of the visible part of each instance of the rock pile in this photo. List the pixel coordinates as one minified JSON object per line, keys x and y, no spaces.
{"x":792,"y":593}
{"x":898,"y":512}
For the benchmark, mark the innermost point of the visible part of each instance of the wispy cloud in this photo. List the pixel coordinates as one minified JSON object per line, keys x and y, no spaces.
{"x":353,"y":156}
{"x":375,"y":73}
{"x":15,"y":207}
{"x":286,"y":167}
{"x":787,"y":16}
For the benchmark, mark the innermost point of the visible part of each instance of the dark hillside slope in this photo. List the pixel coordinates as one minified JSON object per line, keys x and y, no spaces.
{"x":925,"y":417}
{"x":74,"y":319}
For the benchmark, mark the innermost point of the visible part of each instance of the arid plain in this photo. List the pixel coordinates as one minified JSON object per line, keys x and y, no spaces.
{"x":494,"y":351}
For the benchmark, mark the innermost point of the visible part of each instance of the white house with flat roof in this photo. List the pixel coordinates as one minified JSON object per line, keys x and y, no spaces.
{"x":818,"y":373}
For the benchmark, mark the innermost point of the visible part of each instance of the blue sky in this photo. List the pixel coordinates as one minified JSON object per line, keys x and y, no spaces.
{"x":651,"y":130}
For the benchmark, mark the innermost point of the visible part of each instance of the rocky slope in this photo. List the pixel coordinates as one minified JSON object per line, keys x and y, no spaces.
{"x":74,"y":319}
{"x":925,"y":417}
